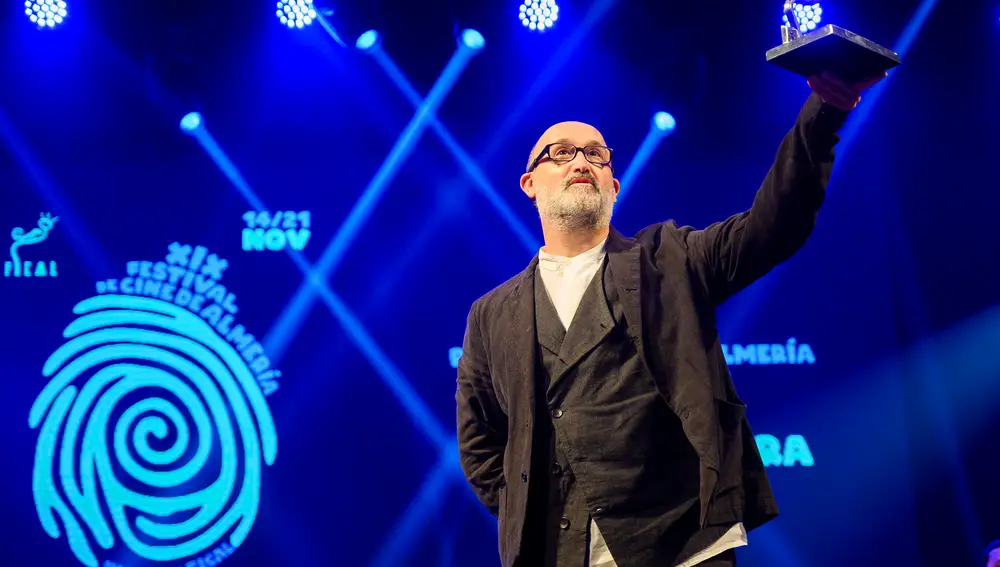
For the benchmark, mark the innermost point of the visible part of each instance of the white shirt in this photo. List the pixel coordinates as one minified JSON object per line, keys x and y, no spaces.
{"x":566,"y":280}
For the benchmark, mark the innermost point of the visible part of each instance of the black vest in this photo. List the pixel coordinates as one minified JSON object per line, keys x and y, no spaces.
{"x":606,"y":445}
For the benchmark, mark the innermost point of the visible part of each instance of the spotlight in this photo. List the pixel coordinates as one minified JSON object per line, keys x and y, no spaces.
{"x":296,"y":13}
{"x":45,"y":13}
{"x":808,"y":16}
{"x":664,"y":122}
{"x":539,"y":15}
{"x":473,"y":39}
{"x":191,"y":122}
{"x":367,"y":41}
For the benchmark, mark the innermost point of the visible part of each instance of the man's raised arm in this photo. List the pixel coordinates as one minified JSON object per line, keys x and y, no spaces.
{"x":732,"y":254}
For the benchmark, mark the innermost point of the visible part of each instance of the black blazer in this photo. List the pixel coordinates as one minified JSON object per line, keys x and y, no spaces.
{"x":670,"y":280}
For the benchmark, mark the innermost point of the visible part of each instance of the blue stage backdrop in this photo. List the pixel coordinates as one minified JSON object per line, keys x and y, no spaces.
{"x":242,"y":249}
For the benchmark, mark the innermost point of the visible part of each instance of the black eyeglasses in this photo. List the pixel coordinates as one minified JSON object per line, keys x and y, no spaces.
{"x":563,"y":153}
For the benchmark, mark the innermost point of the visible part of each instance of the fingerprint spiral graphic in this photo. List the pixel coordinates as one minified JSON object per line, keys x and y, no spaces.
{"x":132,"y":371}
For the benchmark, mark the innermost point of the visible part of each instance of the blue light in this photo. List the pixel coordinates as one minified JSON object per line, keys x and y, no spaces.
{"x":664,"y":122}
{"x":538,"y":15}
{"x":367,"y":40}
{"x":809,"y":16}
{"x":45,"y":14}
{"x":473,"y":40}
{"x":191,"y":122}
{"x":454,"y":353}
{"x":296,"y":13}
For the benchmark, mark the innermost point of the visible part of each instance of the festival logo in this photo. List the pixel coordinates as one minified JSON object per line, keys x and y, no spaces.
{"x":788,"y":353}
{"x":18,"y":268}
{"x":154,"y":426}
{"x":284,"y":229}
{"x":793,"y":452}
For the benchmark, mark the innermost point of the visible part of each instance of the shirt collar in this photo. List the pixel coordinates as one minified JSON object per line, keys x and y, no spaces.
{"x":554,"y":262}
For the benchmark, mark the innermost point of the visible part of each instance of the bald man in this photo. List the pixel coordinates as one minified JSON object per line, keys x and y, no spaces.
{"x":993,"y":554}
{"x":596,"y":415}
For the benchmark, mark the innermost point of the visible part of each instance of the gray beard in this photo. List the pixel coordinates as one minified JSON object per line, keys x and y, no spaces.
{"x":571,"y":210}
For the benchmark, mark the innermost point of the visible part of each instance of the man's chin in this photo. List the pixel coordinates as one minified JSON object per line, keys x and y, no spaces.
{"x":574,"y":217}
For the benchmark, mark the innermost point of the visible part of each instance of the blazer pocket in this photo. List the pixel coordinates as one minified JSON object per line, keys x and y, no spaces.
{"x":731,"y":416}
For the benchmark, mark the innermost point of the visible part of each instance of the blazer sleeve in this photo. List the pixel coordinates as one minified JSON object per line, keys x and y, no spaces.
{"x":482,"y":424}
{"x":730,"y":255}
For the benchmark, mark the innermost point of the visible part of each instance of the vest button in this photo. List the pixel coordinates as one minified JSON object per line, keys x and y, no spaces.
{"x":564,"y":524}
{"x":524,"y":477}
{"x":557,"y":413}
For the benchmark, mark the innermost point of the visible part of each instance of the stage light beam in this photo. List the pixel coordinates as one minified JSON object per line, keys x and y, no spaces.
{"x":661,"y":125}
{"x":295,"y":13}
{"x":664,"y":122}
{"x":193,"y":125}
{"x":46,"y":14}
{"x":473,"y":40}
{"x":368,"y":41}
{"x":808,"y":15}
{"x":290,"y":320}
{"x":475,"y":173}
{"x":538,"y":15}
{"x":191,"y":122}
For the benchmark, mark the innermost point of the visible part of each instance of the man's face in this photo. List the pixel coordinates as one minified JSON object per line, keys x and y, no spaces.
{"x":575,"y":195}
{"x":994,"y":560}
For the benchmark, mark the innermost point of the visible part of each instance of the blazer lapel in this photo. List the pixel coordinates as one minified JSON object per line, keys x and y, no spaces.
{"x":551,"y":333}
{"x":517,"y":328}
{"x":591,"y":324}
{"x":623,"y":255}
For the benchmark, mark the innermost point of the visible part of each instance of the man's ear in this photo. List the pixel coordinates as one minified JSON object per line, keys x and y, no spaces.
{"x":618,"y":187}
{"x":528,"y":185}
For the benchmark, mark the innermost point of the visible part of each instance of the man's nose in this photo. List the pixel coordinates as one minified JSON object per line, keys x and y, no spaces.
{"x":579,"y":164}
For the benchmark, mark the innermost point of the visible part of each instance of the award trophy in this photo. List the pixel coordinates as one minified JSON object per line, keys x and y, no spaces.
{"x":828,"y":48}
